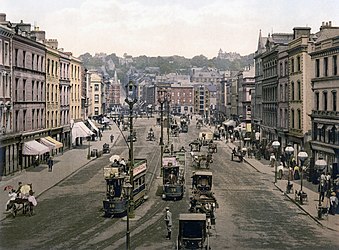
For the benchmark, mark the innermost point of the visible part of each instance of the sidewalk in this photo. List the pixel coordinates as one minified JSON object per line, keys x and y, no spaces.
{"x":64,"y":165}
{"x":310,"y":207}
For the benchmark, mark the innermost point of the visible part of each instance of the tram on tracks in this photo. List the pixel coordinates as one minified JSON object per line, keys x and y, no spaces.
{"x":173,"y":176}
{"x":116,"y":201}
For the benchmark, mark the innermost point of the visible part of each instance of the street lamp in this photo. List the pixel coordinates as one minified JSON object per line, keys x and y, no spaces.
{"x":289,"y":150}
{"x":320,"y":164}
{"x":302,"y":155}
{"x":161,"y":100}
{"x":131,"y":100}
{"x":168,"y":100}
{"x":276,"y":145}
{"x":128,"y":188}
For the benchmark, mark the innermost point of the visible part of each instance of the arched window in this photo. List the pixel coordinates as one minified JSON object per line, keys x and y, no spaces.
{"x":292,"y":91}
{"x":292,"y":118}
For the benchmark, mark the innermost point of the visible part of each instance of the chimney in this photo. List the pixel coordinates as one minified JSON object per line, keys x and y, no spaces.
{"x":2,"y":17}
{"x":301,"y":31}
{"x":53,"y":43}
{"x":39,"y":35}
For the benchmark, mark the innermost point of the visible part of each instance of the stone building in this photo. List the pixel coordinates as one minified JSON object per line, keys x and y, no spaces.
{"x":300,"y":73}
{"x":96,"y":86}
{"x":325,"y":86}
{"x":274,"y":45}
{"x":182,"y":98}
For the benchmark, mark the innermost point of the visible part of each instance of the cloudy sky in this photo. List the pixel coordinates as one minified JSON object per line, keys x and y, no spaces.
{"x":167,"y":27}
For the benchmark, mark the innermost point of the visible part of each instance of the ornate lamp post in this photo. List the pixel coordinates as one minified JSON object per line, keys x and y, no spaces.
{"x":276,"y":145}
{"x":168,"y":100}
{"x":128,"y":188}
{"x":302,"y":155}
{"x":161,"y":100}
{"x":131,"y":100}
{"x":320,"y":164}
{"x":289,"y":150}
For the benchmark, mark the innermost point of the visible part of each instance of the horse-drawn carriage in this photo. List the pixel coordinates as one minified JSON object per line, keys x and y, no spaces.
{"x":205,"y":137}
{"x":239,"y":154}
{"x":175,"y":129}
{"x":195,"y":145}
{"x":212,"y":147}
{"x":24,"y":200}
{"x":203,"y":199}
{"x":150,"y":135}
{"x":106,"y":149}
{"x":198,"y":159}
{"x":216,"y":135}
{"x":193,"y":232}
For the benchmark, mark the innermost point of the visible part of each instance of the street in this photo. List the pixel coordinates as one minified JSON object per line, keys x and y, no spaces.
{"x":252,"y":213}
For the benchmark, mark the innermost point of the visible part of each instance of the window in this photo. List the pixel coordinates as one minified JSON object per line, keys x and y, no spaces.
{"x":317,"y":101}
{"x":1,"y":52}
{"x":299,"y":119}
{"x":298,"y":63}
{"x":317,"y":67}
{"x":292,"y":65}
{"x":24,"y":90}
{"x":292,"y":91}
{"x":16,"y":89}
{"x":32,"y":90}
{"x":325,"y":100}
{"x":6,"y":53}
{"x":286,"y":68}
{"x":286,"y":92}
{"x":281,"y":69}
{"x":33,"y":114}
{"x":334,"y":101}
{"x":96,"y":87}
{"x":96,"y":98}
{"x":292,"y":118}
{"x":325,"y":66}
{"x":33,"y":57}
{"x":335,"y":65}
{"x":299,"y":91}
{"x":24,"y":120}
{"x":24,"y":59}
{"x":15,"y":56}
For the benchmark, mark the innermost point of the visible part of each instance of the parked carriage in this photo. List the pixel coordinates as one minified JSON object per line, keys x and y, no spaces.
{"x":193,"y":232}
{"x":203,"y":199}
{"x":116,"y":201}
{"x":212,"y":147}
{"x":173,"y":178}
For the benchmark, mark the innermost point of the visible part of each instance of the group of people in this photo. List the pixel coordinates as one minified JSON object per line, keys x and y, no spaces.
{"x":22,"y":195}
{"x":121,"y":165}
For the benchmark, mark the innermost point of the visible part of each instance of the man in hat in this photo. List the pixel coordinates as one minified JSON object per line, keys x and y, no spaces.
{"x":168,"y":221}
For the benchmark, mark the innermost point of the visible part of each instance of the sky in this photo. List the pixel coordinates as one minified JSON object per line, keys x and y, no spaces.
{"x":167,"y":27}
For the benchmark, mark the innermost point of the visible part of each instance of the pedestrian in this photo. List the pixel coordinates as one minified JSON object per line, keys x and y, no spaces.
{"x":168,"y":221}
{"x":272,"y":160}
{"x":333,"y":203}
{"x":112,"y":138}
{"x":50,"y":164}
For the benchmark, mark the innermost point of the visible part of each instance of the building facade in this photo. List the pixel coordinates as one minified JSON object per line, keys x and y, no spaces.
{"x":325,"y":86}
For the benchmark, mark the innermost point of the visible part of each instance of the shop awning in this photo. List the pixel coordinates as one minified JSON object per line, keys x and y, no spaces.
{"x":93,"y":125}
{"x":230,"y":123}
{"x":105,"y":120}
{"x":34,"y":148}
{"x":80,"y":130}
{"x":55,"y":142}
{"x":47,"y":143}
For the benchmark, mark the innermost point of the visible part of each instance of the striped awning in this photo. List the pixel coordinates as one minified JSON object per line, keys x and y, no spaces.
{"x":55,"y":142}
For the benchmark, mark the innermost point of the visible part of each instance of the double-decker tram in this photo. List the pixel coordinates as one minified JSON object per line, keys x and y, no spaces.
{"x":116,"y":201}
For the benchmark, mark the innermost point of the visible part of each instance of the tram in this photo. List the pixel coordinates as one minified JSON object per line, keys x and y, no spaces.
{"x":173,"y":178}
{"x":116,"y":201}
